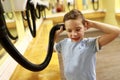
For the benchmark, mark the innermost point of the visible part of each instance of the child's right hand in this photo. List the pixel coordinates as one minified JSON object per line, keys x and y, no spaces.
{"x":57,"y":33}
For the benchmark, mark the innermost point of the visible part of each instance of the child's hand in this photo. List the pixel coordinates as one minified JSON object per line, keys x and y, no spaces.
{"x":57,"y":33}
{"x":88,"y":23}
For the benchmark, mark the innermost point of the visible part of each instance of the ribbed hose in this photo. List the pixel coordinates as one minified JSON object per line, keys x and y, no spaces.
{"x":10,"y":35}
{"x":8,"y":32}
{"x":31,"y":23}
{"x":14,"y":53}
{"x":95,"y":5}
{"x":30,"y":8}
{"x":37,"y":12}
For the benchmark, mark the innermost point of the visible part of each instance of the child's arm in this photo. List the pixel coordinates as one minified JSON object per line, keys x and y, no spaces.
{"x":111,"y":32}
{"x":57,"y":33}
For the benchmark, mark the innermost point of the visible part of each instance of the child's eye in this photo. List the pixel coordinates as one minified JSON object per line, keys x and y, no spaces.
{"x":69,"y":31}
{"x":77,"y":29}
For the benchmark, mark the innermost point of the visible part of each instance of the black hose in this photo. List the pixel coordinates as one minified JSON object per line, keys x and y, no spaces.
{"x":9,"y":47}
{"x":41,"y":8}
{"x":30,"y":11}
{"x":37,"y":12}
{"x":8,"y":32}
{"x":15,"y":54}
{"x":30,"y":24}
{"x":95,"y":5}
{"x":10,"y":35}
{"x":30,"y":7}
{"x":30,"y":17}
{"x":68,"y":4}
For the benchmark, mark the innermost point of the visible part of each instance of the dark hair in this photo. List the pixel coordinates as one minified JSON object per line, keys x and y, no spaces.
{"x":73,"y":14}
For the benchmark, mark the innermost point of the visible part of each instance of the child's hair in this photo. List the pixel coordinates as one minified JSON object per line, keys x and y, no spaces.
{"x":74,"y":14}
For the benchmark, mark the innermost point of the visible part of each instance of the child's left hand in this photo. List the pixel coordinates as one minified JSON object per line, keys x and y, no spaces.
{"x":88,"y":24}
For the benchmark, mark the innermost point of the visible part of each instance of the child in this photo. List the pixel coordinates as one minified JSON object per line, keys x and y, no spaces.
{"x":78,"y":53}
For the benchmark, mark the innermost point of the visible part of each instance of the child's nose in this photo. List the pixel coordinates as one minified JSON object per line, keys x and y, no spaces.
{"x":74,"y":33}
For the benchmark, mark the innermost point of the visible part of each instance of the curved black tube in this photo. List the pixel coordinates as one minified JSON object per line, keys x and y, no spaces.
{"x":9,"y":47}
{"x":33,"y":13}
{"x":68,"y":5}
{"x":30,"y":17}
{"x":14,"y":53}
{"x":40,"y":8}
{"x":37,"y":11}
{"x":10,"y":35}
{"x":30,"y":7}
{"x":30,"y":24}
{"x":8,"y":32}
{"x":95,"y":3}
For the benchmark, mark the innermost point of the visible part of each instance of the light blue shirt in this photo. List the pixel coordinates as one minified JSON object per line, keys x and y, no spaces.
{"x":79,"y":58}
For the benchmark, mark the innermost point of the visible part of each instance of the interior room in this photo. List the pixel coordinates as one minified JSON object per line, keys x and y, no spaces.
{"x":27,"y":41}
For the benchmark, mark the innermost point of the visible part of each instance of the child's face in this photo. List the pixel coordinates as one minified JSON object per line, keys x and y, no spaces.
{"x":75,"y":29}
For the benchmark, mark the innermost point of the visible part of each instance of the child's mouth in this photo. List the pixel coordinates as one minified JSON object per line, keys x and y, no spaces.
{"x":75,"y":39}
